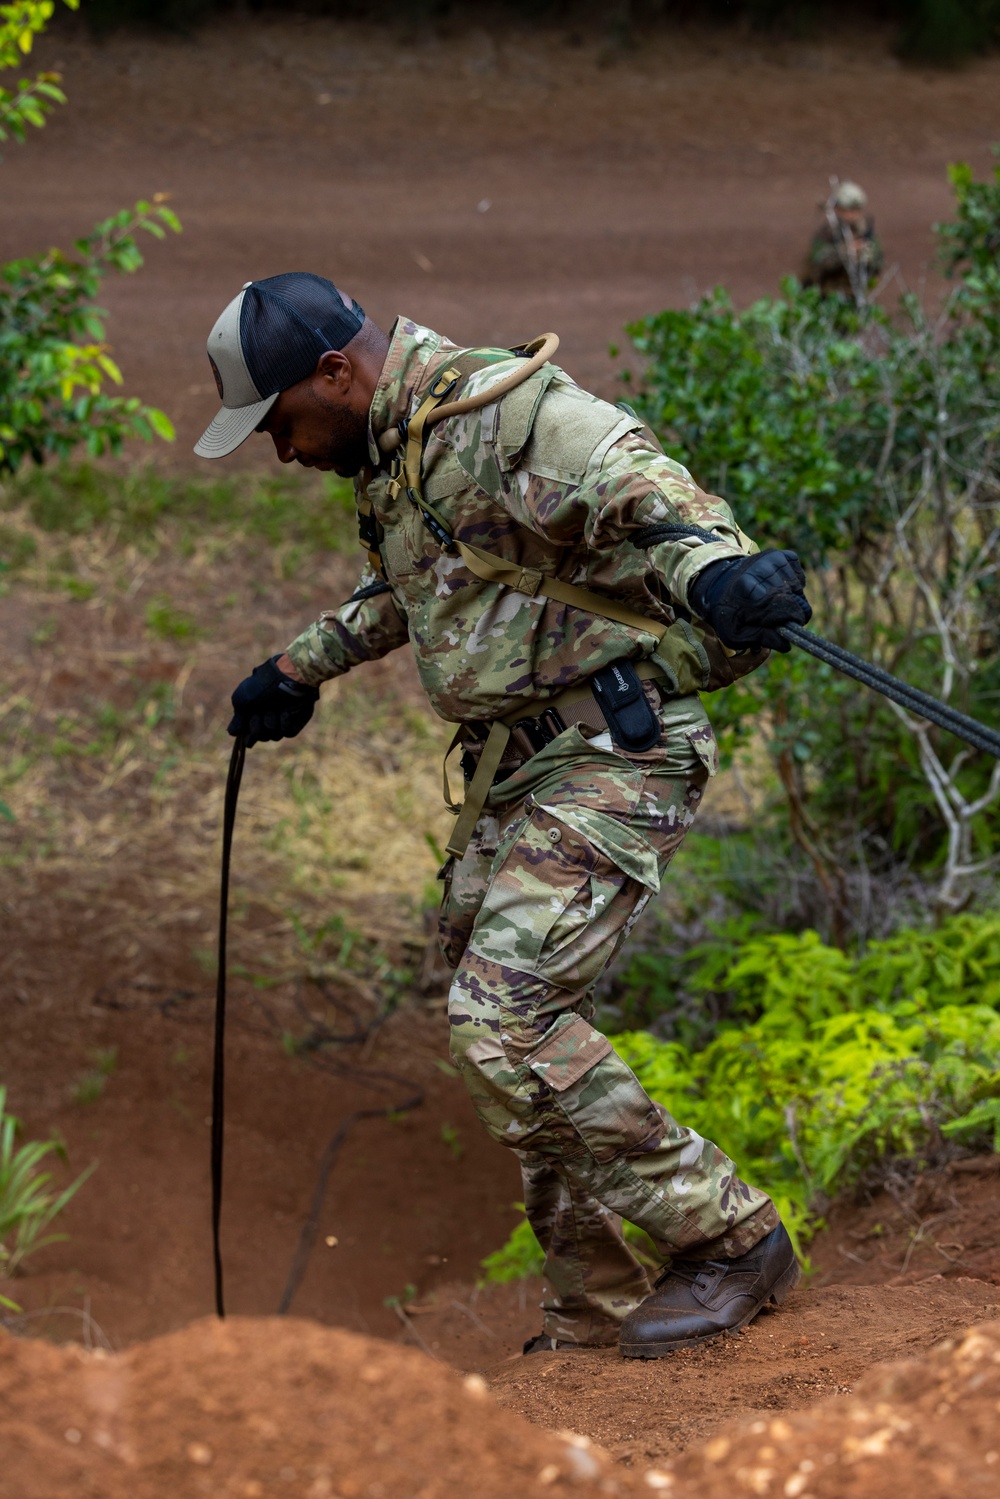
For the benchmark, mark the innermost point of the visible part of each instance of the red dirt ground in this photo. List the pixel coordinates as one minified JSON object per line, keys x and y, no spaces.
{"x":253,"y":1408}
{"x":616,"y":183}
{"x":585,"y":228}
{"x":259,"y":1407}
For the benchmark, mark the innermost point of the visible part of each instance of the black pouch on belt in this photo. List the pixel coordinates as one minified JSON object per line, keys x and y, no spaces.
{"x":630,"y":717}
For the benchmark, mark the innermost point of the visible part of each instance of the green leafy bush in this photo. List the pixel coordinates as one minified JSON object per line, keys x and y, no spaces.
{"x":846,"y":1061}
{"x":54,"y":362}
{"x":867,"y":442}
{"x":829,"y":1066}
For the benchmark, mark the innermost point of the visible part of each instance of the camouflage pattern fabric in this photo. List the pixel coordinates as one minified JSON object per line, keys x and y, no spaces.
{"x":573,"y":843}
{"x":560,"y":866}
{"x":550,"y":477}
{"x":830,"y":252}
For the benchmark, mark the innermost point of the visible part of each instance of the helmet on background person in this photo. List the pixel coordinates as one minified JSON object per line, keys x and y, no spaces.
{"x":850,"y":197}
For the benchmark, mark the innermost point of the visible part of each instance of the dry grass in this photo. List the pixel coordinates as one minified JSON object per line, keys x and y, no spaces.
{"x":132,"y":606}
{"x":124,"y":643}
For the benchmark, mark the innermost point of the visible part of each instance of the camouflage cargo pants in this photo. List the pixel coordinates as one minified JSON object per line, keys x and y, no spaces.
{"x":560,"y":866}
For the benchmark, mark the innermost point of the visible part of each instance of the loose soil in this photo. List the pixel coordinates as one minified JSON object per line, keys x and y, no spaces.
{"x":293,"y":145}
{"x":261,"y":1407}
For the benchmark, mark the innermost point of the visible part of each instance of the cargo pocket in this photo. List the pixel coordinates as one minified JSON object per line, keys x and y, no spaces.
{"x":600,"y":1096}
{"x":534,"y":894}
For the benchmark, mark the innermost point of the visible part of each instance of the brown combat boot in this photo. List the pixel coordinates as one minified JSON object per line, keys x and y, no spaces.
{"x":695,"y":1300}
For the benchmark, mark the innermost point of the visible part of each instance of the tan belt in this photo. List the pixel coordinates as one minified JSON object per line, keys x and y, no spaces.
{"x":575,"y":706}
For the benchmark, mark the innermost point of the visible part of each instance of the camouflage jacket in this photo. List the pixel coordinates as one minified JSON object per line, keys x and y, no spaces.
{"x":549,"y":477}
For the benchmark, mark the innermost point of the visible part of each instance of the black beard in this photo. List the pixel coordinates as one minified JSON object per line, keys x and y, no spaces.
{"x":346,"y":448}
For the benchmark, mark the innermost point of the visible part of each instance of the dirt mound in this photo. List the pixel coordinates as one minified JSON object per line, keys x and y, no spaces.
{"x":819,"y":1344}
{"x":925,"y":1428}
{"x":261,"y":1407}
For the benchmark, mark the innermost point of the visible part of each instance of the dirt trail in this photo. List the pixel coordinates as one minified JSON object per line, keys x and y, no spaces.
{"x":492,"y":183}
{"x":817,"y":1346}
{"x":291,"y":145}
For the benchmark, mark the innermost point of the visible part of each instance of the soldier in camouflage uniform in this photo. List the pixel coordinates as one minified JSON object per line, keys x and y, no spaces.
{"x":845,"y":256}
{"x":575,"y":834}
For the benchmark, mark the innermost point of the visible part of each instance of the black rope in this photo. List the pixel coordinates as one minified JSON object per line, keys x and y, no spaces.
{"x":307,"y":1236}
{"x":236,"y":761}
{"x":979,"y":735}
{"x":651,"y":536}
{"x":369,"y":591}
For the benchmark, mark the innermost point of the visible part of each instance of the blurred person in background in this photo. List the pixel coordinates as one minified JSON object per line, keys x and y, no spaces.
{"x":845,"y":257}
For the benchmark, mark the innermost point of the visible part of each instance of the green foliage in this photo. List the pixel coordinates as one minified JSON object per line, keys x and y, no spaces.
{"x":27,"y":1208}
{"x":54,"y":361}
{"x":30,"y":100}
{"x":939,"y":32}
{"x":831,"y":1064}
{"x":946,"y":32}
{"x":92,"y":1084}
{"x":517,"y":1259}
{"x":868,"y":443}
{"x":824,"y":1067}
{"x":167,"y":622}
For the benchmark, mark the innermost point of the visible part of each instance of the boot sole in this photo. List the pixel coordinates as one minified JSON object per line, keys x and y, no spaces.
{"x":779,"y":1293}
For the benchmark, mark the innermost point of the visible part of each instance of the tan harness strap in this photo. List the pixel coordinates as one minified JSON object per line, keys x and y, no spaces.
{"x":444,"y":384}
{"x":475,"y":797}
{"x":531,"y":581}
{"x":541,"y":349}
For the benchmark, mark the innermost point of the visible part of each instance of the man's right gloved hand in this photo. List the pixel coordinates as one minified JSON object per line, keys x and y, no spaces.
{"x":747,"y":599}
{"x":270,"y":705}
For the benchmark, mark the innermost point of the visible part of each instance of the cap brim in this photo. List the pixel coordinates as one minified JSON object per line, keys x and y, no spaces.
{"x":232,"y":426}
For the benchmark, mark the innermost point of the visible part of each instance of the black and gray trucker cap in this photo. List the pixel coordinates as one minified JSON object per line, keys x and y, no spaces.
{"x":270,"y":337}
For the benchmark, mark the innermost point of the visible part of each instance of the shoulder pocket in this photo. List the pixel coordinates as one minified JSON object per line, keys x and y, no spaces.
{"x":570,"y":430}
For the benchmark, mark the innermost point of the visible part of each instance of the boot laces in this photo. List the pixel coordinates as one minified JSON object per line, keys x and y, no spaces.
{"x":687,"y":1271}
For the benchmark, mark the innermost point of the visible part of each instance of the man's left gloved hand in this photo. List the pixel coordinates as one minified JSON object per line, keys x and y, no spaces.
{"x":270,"y":705}
{"x":747,"y":599}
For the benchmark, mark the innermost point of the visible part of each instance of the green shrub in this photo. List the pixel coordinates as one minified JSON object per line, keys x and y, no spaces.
{"x":54,"y":363}
{"x":868,"y":443}
{"x":832,"y":1066}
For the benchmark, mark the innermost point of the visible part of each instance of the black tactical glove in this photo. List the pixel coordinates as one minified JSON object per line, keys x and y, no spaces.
{"x":747,"y":599}
{"x":270,"y":705}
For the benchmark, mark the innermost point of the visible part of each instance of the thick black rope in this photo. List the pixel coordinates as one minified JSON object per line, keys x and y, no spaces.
{"x":310,"y":1228}
{"x":922,"y":704}
{"x":236,"y":762}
